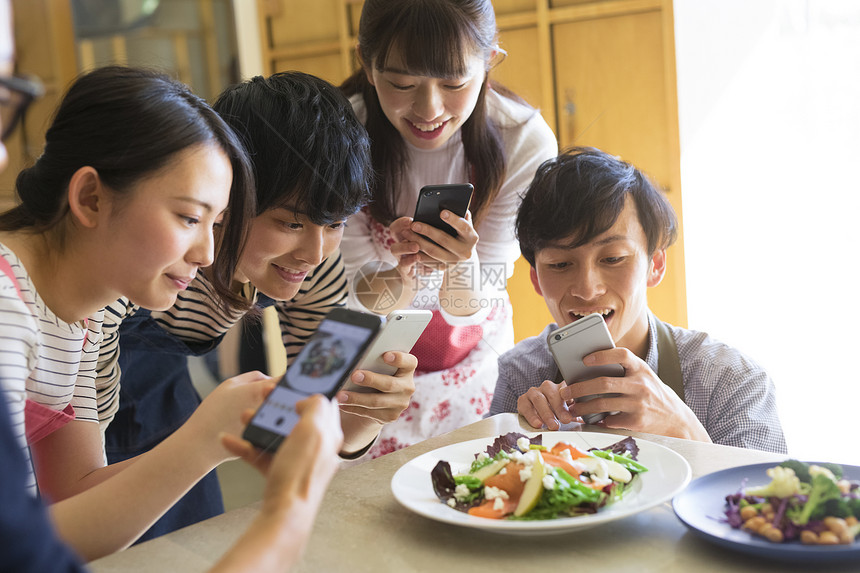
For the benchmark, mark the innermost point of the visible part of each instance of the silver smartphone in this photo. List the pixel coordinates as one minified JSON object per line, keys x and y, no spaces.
{"x":399,"y":333}
{"x":571,"y":343}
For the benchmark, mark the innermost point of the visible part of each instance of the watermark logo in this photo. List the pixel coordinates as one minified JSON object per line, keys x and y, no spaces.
{"x":378,"y":286}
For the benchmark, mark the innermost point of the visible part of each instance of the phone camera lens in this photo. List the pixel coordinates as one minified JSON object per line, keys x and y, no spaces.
{"x":399,"y":317}
{"x":558,"y":337}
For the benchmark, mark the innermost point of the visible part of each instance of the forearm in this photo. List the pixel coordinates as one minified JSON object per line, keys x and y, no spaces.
{"x":126,"y":499}
{"x":273,"y":542}
{"x":297,"y":478}
{"x":689,"y":428}
{"x":461,"y":293}
{"x":358,"y":432}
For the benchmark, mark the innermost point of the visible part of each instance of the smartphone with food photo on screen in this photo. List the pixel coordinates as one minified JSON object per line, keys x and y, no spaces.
{"x":321,"y":367}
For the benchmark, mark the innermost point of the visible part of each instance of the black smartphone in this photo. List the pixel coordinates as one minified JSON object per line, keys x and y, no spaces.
{"x":454,"y":197}
{"x":322,"y":367}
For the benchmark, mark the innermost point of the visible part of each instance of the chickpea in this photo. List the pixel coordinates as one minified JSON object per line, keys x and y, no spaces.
{"x":828,"y":538}
{"x":836,"y":524}
{"x":748,"y":512}
{"x":844,"y":486}
{"x":850,"y":521}
{"x":846,"y":538}
{"x":755,"y":523}
{"x":771,"y":533}
{"x":766,"y":507}
{"x":808,"y":537}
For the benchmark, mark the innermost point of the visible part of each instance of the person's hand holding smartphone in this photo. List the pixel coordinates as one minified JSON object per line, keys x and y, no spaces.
{"x":433,"y":199}
{"x":399,"y":333}
{"x":573,"y":342}
{"x":441,"y":230}
{"x":322,"y":367}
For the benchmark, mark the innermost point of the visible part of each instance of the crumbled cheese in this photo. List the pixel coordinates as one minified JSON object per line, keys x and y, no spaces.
{"x":525,"y":473}
{"x":499,"y":504}
{"x":530,"y":458}
{"x":491,"y":492}
{"x":461,"y":492}
{"x":483,"y":456}
{"x":451,"y":502}
{"x":503,"y":471}
{"x":523,"y":444}
{"x":548,"y":482}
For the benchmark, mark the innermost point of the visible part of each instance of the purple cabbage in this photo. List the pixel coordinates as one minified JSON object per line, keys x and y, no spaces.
{"x":508,"y":443}
{"x":626,"y":447}
{"x":444,"y":486}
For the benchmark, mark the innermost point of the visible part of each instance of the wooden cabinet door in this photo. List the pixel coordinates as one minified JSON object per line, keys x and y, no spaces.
{"x":615,"y":91}
{"x":313,"y":37}
{"x":45,"y":48}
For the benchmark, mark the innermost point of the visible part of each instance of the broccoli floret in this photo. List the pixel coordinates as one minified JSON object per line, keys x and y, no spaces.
{"x":854,"y":505}
{"x":835,"y":469}
{"x":784,"y":483}
{"x":824,"y":489}
{"x":801,"y":470}
{"x":837,"y":507}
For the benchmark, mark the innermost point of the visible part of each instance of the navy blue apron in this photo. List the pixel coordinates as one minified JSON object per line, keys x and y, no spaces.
{"x":156,"y":398}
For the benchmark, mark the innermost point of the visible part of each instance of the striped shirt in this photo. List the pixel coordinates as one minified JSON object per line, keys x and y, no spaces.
{"x":731,"y":395}
{"x":196,"y":318}
{"x":42,"y":358}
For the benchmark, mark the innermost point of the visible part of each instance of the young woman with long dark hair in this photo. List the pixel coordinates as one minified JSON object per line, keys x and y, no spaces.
{"x":434,"y":117}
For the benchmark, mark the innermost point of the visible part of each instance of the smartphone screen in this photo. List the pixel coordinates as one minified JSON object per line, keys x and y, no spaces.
{"x":322,"y":367}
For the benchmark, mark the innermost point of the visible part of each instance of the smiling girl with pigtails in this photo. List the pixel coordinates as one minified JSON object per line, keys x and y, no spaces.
{"x":434,"y":117}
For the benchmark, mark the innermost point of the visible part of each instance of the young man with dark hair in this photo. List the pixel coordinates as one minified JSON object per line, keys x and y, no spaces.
{"x":311,"y":162}
{"x":595,"y":232}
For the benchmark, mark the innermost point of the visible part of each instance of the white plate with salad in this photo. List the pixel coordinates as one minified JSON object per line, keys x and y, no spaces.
{"x":667,"y":474}
{"x":703,"y":508}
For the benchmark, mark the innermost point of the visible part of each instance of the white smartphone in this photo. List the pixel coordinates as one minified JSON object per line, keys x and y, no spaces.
{"x":400,"y":332}
{"x":571,"y":343}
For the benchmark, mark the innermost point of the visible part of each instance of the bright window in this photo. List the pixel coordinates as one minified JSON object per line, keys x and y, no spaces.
{"x":769,"y":105}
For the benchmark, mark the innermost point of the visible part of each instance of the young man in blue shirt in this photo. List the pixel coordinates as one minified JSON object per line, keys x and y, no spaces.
{"x":595,"y":231}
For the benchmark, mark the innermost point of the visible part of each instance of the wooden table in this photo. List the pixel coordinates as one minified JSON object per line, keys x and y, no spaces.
{"x":361,"y":527}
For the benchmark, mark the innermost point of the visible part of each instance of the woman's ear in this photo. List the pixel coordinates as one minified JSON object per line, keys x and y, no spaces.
{"x":87,"y":200}
{"x":658,"y":268}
